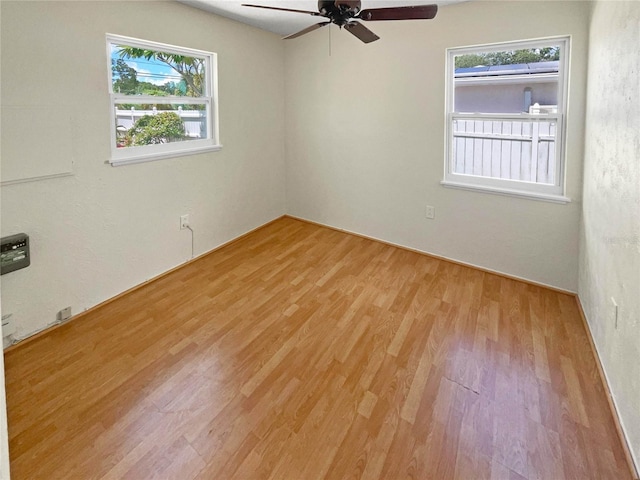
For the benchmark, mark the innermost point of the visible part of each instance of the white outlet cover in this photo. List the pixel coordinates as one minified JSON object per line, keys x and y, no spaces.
{"x":64,"y":314}
{"x":8,"y":325}
{"x":431,"y":212}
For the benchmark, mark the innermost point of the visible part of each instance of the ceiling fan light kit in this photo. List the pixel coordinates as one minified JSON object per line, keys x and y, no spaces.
{"x":345,"y":13}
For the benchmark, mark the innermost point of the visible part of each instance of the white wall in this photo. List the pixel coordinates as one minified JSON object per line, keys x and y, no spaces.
{"x":610,"y":230}
{"x":106,"y":229}
{"x":365,"y":140}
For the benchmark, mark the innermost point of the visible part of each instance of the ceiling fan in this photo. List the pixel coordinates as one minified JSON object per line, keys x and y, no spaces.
{"x":344,"y":13}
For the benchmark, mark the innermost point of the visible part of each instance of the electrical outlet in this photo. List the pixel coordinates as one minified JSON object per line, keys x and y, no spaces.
{"x":64,"y":314}
{"x":431,"y":212}
{"x":8,"y":326}
{"x":184,"y":221}
{"x":615,"y":312}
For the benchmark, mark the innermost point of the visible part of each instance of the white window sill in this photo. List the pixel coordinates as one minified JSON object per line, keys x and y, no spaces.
{"x":150,"y":157}
{"x":544,"y":197}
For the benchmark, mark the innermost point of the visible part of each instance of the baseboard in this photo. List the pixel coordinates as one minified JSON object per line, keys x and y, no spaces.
{"x":633,"y":465}
{"x":48,"y":329}
{"x":439,"y":257}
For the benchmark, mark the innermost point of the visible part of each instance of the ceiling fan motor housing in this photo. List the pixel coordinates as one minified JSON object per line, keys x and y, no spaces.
{"x":339,"y":11}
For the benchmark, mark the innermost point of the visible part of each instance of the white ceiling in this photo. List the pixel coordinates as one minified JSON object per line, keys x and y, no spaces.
{"x":285,"y":23}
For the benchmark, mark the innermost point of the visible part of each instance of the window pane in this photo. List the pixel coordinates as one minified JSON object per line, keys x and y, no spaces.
{"x":522,"y":150}
{"x":141,"y":124}
{"x":140,"y":71}
{"x":510,"y":81}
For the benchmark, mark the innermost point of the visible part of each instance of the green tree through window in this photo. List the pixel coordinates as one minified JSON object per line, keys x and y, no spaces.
{"x":191,"y":69}
{"x":509,"y":57}
{"x":127,"y":77}
{"x":154,"y":129}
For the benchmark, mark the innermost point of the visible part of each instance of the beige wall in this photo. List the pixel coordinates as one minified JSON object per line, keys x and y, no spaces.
{"x":105,"y":229}
{"x":365,"y":140}
{"x":610,"y":230}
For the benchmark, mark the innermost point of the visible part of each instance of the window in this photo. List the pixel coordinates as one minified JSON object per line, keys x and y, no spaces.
{"x":163,"y":100}
{"x":506,"y":106}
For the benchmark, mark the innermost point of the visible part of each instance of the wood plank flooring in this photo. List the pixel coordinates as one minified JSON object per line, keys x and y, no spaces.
{"x":300,"y":352}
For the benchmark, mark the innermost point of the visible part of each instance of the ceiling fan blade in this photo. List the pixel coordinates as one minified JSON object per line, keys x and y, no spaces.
{"x":306,"y":30}
{"x":360,"y":31}
{"x":419,"y":12}
{"x":316,"y":14}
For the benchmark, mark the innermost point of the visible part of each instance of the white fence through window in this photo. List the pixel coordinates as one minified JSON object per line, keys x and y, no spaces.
{"x":195,"y":121}
{"x":510,"y":148}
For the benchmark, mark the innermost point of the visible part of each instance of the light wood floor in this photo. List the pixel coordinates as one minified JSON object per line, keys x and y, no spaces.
{"x":300,"y":352}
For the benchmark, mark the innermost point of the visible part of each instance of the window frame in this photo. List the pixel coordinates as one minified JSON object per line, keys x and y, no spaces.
{"x":518,"y":188}
{"x":147,"y":153}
